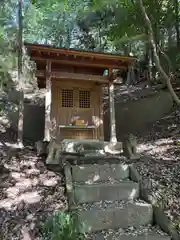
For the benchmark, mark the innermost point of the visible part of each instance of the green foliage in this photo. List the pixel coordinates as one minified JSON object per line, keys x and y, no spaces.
{"x":98,"y":25}
{"x":61,"y":226}
{"x":8,"y":35}
{"x":9,"y":44}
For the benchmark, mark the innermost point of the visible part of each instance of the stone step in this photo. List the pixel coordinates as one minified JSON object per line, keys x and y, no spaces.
{"x":131,"y":215}
{"x":131,"y":237}
{"x":148,"y":232}
{"x":77,"y":159}
{"x":141,"y":237}
{"x":98,"y":172}
{"x":74,"y":145}
{"x":106,"y":191}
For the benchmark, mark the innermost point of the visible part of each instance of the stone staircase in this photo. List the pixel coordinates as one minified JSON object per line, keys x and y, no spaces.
{"x":108,"y":202}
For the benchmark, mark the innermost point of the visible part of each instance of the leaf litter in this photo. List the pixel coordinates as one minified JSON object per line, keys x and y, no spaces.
{"x":160,"y":163}
{"x":37,"y":192}
{"x":34,"y":192}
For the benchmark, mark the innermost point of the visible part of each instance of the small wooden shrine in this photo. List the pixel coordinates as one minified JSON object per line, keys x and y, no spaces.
{"x":74,"y":81}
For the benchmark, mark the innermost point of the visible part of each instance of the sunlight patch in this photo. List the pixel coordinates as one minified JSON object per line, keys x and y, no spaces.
{"x":18,"y":176}
{"x":89,"y":181}
{"x":6,"y":203}
{"x":12,"y":192}
{"x":96,"y":177}
{"x":125,"y":167}
{"x":142,"y":204}
{"x":30,"y":197}
{"x":82,"y":167}
{"x":133,"y":193}
{"x":144,"y":147}
{"x":25,"y":183}
{"x":50,"y":182}
{"x":163,"y":141}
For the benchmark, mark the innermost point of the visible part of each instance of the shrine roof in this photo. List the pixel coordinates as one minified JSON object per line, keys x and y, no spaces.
{"x":49,"y":49}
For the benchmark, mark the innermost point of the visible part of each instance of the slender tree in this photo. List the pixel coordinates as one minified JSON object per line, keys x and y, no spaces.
{"x":20,"y":74}
{"x":176,"y":8}
{"x":156,"y":57}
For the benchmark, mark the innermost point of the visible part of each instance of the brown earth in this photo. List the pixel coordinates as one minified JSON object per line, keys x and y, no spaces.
{"x":33,"y":193}
{"x":160,"y":163}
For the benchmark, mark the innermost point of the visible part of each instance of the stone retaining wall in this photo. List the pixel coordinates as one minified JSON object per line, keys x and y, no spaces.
{"x":132,"y":115}
{"x":136,"y":116}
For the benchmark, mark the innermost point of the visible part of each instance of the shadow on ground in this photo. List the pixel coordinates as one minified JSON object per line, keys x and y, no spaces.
{"x":33,"y":193}
{"x":36,"y":191}
{"x":160,"y":163}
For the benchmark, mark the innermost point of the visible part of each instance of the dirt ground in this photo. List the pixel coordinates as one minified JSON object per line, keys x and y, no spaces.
{"x":37,"y":191}
{"x":34,"y":193}
{"x":160,"y":163}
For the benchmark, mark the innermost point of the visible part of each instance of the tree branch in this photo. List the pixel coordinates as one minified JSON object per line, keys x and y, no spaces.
{"x":156,"y":57}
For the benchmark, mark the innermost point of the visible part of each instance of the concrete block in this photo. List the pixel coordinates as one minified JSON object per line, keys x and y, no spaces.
{"x":88,"y":160}
{"x":165,"y":223}
{"x":97,"y":173}
{"x":69,"y":184}
{"x":113,"y":148}
{"x":97,"y":192}
{"x":160,"y":218}
{"x":133,"y":173}
{"x":134,"y":214}
{"x":142,"y":237}
{"x":71,"y":145}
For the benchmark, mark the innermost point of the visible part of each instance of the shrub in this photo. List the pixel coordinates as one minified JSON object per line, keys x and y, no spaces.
{"x":61,"y":226}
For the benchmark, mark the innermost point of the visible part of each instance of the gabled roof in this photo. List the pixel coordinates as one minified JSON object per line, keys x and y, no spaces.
{"x":45,"y":51}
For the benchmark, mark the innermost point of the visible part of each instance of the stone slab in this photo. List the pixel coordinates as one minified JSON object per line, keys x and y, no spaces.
{"x":113,"y":148}
{"x":165,"y":223}
{"x":99,"y":192}
{"x":133,"y":215}
{"x":69,"y":185}
{"x":96,"y":172}
{"x":101,"y":160}
{"x":141,"y":237}
{"x":70,"y":145}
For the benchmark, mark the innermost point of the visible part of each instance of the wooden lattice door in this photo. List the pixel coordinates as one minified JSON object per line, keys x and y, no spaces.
{"x":74,"y":102}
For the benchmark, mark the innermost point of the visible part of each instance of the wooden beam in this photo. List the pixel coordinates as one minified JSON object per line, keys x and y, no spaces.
{"x":74,"y":76}
{"x":48,"y":100}
{"x":43,"y":48}
{"x":81,"y":63}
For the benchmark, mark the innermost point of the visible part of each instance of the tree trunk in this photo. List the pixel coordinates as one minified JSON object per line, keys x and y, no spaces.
{"x":148,"y":60}
{"x":156,"y":57}
{"x":125,"y":49}
{"x":20,"y":75}
{"x":170,"y":39}
{"x":176,"y":8}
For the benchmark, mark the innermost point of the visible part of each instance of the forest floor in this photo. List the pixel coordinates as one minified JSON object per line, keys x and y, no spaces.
{"x":34,"y":193}
{"x":160,"y":163}
{"x":37,"y":191}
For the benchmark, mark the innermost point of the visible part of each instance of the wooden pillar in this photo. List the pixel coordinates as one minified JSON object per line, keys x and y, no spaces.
{"x":113,"y":138}
{"x":128,"y":81}
{"x":101,"y":114}
{"x":48,"y":100}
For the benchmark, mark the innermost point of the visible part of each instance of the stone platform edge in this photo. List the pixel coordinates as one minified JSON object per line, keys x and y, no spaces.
{"x":159,"y":216}
{"x":69,"y":184}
